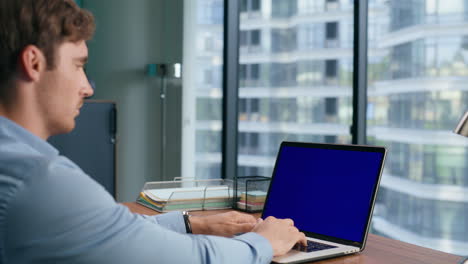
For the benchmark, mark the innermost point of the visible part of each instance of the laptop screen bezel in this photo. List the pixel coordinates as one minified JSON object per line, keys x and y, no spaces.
{"x":345,"y":147}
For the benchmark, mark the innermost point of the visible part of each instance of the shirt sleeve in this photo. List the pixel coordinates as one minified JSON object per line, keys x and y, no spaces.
{"x":63,"y":216}
{"x":172,"y":220}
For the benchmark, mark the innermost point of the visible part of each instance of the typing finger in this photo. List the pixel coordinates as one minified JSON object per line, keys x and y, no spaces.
{"x":289,"y":222}
{"x":302,"y":239}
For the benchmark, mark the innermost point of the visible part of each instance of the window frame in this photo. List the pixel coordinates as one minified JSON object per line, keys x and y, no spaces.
{"x":358,"y":129}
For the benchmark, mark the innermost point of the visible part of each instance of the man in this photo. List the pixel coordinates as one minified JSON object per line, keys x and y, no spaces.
{"x":50,"y":210}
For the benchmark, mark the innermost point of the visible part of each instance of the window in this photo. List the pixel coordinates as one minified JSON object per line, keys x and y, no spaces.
{"x":298,"y":96}
{"x":254,"y":140}
{"x":330,"y":139}
{"x":210,"y":12}
{"x":331,"y":106}
{"x":416,"y":88}
{"x":332,"y":5}
{"x":283,"y":40}
{"x":254,"y":71}
{"x":417,"y":74}
{"x":243,"y":38}
{"x":202,"y":93}
{"x":255,"y":37}
{"x":331,"y":37}
{"x":283,"y":74}
{"x":243,"y":72}
{"x":244,"y":5}
{"x":249,"y":75}
{"x":249,"y":109}
{"x":255,"y":105}
{"x":331,"y":68}
{"x":310,"y":36}
{"x":307,"y":7}
{"x":250,"y":38}
{"x":248,"y":142}
{"x":332,"y":30}
{"x":255,"y":5}
{"x":250,"y":5}
{"x":242,"y":106}
{"x":283,"y":8}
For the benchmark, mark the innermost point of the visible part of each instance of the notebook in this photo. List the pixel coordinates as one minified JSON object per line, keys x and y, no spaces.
{"x":329,"y":191}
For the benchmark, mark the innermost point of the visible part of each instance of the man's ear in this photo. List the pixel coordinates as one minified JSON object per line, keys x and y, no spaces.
{"x":32,"y":62}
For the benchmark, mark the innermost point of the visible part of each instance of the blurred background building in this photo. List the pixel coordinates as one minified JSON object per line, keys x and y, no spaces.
{"x":295,"y":83}
{"x":418,"y":91}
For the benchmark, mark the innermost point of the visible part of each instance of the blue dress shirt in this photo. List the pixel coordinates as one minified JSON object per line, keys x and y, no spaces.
{"x":52,"y":212}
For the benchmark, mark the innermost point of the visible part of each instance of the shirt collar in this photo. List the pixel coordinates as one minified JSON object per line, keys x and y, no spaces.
{"x":12,"y":130}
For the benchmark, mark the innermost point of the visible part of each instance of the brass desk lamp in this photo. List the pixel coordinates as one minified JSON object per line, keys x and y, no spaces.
{"x":462,"y":129}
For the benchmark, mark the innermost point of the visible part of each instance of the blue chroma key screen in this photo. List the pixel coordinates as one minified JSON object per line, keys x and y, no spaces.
{"x":325,"y":191}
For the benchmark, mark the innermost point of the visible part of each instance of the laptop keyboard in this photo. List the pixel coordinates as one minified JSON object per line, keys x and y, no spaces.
{"x":312,"y":246}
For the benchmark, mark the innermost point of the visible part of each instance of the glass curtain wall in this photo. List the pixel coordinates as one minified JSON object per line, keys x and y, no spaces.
{"x":203,"y":94}
{"x":295,"y":77}
{"x":417,"y":86}
{"x":295,"y":83}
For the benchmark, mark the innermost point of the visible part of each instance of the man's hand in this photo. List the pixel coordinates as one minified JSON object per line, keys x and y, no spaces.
{"x":225,"y":224}
{"x":281,"y":233}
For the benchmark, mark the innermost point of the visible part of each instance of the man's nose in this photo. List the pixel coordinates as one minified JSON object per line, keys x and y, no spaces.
{"x":89,"y":91}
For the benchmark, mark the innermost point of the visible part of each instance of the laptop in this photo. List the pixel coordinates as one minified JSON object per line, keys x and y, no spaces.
{"x":329,"y":191}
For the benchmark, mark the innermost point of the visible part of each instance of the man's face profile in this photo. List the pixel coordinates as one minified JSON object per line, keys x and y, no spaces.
{"x":61,"y":91}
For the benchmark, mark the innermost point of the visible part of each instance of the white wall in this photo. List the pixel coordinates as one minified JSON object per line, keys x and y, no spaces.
{"x":130,"y":35}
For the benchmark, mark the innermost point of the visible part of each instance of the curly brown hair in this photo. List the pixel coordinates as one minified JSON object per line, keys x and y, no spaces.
{"x":43,"y":23}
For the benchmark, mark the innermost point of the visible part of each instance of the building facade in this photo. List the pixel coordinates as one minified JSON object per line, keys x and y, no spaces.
{"x":295,"y":83}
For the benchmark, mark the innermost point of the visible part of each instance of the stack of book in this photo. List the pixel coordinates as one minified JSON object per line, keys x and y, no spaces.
{"x":252,"y":201}
{"x":193,"y":198}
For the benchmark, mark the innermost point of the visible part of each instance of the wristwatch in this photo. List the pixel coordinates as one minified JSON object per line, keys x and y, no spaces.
{"x":188,"y":227}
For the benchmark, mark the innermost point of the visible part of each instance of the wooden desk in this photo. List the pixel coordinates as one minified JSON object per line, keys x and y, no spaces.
{"x":379,"y":250}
